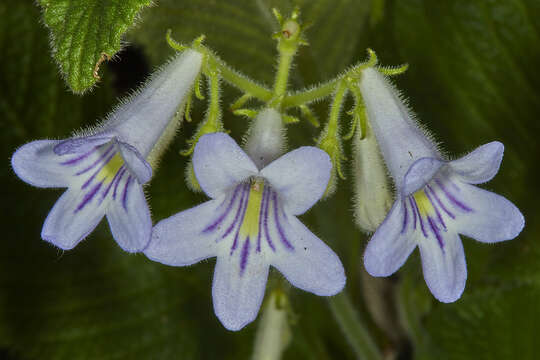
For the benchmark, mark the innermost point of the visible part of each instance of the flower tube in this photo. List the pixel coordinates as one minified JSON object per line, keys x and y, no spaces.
{"x":436,"y":199}
{"x":104,"y":168}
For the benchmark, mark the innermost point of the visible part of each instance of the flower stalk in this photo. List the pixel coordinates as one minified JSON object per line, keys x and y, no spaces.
{"x":353,"y":328}
{"x":330,"y":140}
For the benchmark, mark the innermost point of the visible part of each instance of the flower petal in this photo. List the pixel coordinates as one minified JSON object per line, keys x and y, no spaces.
{"x":72,"y":218}
{"x":493,"y":218}
{"x":311,"y":266}
{"x":300,"y":177}
{"x":80,"y":144}
{"x":180,"y":239}
{"x":136,"y":164}
{"x":129,"y":217}
{"x":445,"y":270}
{"x":238,"y":295}
{"x":38,"y":165}
{"x":219,"y":164}
{"x":390,"y":246}
{"x":480,"y":165}
{"x":419,"y":174}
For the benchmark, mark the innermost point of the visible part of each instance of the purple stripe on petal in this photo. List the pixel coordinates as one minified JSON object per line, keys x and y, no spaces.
{"x":104,"y":195}
{"x":122,"y":172}
{"x":77,"y":159}
{"x":244,"y":256}
{"x":98,"y":170}
{"x":220,"y":219}
{"x":405,"y":216}
{"x":88,"y":196}
{"x":261,"y":214}
{"x":282,"y":236}
{"x":243,"y":211}
{"x":103,"y":156}
{"x":413,"y":209}
{"x":439,"y":217}
{"x":420,"y":219}
{"x":435,"y":231}
{"x":235,"y":243}
{"x":240,"y":211}
{"x":439,"y":202}
{"x":452,"y":198}
{"x":124,"y":195}
{"x":265,"y":221}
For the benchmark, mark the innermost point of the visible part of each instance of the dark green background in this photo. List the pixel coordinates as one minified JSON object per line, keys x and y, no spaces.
{"x":474,"y":77}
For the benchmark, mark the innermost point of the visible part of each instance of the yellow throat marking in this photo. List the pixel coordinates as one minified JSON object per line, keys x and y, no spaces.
{"x":425,"y":207}
{"x":112,"y":167}
{"x":250,"y":224}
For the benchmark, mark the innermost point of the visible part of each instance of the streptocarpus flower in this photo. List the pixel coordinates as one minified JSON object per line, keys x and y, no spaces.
{"x":436,"y":198}
{"x":104,"y":168}
{"x":250,"y":224}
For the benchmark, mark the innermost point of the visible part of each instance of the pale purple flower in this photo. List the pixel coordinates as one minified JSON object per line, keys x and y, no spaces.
{"x":436,"y":199}
{"x":104,"y":168}
{"x":249,"y":224}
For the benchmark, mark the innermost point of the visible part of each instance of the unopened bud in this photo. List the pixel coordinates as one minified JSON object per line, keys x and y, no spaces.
{"x":273,"y":334}
{"x":266,"y":138}
{"x":372,"y":194}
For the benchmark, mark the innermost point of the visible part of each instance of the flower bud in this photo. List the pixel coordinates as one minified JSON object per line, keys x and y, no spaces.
{"x":266,"y":138}
{"x":372,"y":195}
{"x":273,"y":334}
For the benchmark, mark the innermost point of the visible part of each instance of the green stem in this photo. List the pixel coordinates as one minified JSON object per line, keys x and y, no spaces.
{"x":214,"y":110}
{"x":324,"y":90}
{"x":313,"y":94}
{"x":237,"y":79}
{"x":333,"y":124}
{"x":284,"y":68}
{"x":354,"y":330}
{"x":244,"y":84}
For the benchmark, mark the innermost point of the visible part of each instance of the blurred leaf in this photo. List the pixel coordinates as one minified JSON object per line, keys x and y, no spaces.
{"x":471,"y":81}
{"x":94,"y":302}
{"x":85,"y":33}
{"x":492,"y":324}
{"x":240,"y":32}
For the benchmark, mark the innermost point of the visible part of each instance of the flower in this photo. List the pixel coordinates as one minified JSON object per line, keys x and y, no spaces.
{"x":250,"y":224}
{"x":436,"y":199}
{"x":104,"y":168}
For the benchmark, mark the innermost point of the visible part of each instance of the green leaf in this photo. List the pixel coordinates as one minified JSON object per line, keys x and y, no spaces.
{"x":240,"y":32}
{"x":494,"y":324}
{"x":471,"y":80}
{"x":85,"y":33}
